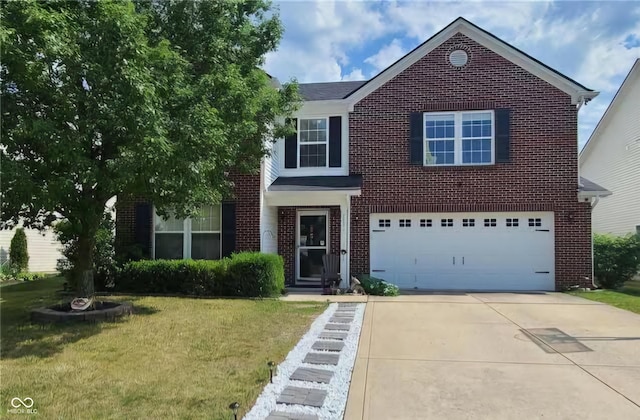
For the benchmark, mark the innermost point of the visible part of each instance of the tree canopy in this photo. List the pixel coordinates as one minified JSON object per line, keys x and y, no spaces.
{"x":162,"y":99}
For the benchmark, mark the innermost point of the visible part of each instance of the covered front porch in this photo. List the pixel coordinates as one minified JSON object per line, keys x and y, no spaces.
{"x":313,"y":217}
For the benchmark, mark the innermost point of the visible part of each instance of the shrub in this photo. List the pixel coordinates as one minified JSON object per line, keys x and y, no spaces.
{"x":18,"y":252}
{"x":249,"y":274}
{"x":378,"y":287}
{"x":104,"y":265}
{"x":616,"y":259}
{"x":254,"y":274}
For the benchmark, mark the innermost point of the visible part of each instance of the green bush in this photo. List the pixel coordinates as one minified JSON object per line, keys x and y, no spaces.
{"x":616,"y":259}
{"x":254,"y":274}
{"x":18,"y":252}
{"x":11,"y":273}
{"x":378,"y":287}
{"x":249,"y":274}
{"x":104,"y":264}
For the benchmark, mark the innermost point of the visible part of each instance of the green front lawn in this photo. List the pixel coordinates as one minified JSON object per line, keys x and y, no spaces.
{"x":627,"y":297}
{"x":175,"y":358}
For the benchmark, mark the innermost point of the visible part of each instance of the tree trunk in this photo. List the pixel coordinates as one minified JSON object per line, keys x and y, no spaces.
{"x":86,"y":245}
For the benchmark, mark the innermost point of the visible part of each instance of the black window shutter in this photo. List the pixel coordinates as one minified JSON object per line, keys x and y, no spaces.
{"x":291,"y":147}
{"x":228,"y":228}
{"x":416,"y":141}
{"x":335,"y":142}
{"x":503,"y":126}
{"x":142,"y":227}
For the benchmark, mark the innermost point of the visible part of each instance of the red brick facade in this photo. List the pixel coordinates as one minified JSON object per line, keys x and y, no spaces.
{"x":246,"y":194}
{"x":541,"y":176}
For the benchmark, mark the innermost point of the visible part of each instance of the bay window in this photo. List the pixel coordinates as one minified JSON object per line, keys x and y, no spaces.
{"x":197,"y":237}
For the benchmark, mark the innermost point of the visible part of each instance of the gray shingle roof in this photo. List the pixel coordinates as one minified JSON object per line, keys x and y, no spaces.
{"x":590,"y":186}
{"x":328,"y":90}
{"x":317,"y":183}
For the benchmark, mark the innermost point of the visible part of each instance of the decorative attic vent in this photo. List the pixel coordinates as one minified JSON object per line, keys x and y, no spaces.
{"x":458,"y":58}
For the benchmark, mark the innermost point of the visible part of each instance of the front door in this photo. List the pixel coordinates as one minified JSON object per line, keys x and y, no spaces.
{"x":312,"y":244}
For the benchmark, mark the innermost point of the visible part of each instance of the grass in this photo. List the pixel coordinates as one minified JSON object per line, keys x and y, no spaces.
{"x":627,"y":297}
{"x":175,"y":358}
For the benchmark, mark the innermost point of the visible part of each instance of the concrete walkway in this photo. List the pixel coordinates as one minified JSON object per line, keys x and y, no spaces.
{"x":495,"y":356}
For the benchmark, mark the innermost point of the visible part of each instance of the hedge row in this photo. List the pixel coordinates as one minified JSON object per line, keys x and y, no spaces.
{"x":247,"y":274}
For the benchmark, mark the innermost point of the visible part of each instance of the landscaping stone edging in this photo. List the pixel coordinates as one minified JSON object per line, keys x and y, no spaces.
{"x":52,"y":316}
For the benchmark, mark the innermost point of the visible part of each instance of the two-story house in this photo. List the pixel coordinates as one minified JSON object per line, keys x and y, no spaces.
{"x":611,"y":158}
{"x":454,"y":168}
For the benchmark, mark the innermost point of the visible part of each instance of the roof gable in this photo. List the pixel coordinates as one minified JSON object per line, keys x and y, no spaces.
{"x":577,"y":91}
{"x":634,"y":74}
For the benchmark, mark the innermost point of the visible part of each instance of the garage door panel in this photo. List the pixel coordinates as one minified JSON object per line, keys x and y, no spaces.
{"x":473,"y":251}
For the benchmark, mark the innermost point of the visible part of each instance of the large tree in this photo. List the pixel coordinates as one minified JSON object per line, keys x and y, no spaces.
{"x":102,"y":98}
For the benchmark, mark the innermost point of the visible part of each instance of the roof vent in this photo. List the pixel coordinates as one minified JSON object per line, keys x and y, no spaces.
{"x":458,"y":58}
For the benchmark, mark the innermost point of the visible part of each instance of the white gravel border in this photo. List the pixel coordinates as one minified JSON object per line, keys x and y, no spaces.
{"x":338,"y":388}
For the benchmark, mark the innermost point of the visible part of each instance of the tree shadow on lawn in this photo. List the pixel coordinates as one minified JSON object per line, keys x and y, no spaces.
{"x":22,"y":338}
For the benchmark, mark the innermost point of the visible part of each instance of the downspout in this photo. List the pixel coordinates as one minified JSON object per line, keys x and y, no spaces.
{"x":594,"y":203}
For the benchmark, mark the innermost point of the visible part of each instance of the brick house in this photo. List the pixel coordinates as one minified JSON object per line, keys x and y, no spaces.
{"x":454,"y":168}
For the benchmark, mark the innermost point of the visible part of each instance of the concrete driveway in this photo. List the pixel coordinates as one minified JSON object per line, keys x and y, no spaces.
{"x":495,"y":356}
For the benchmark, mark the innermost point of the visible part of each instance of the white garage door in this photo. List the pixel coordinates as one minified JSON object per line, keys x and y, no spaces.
{"x":464,"y":251}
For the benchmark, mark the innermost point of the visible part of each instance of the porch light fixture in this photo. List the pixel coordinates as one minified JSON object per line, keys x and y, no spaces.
{"x":234,"y":407}
{"x":272,"y":366}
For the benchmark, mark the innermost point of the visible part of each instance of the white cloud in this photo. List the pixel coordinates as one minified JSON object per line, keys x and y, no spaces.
{"x":356,"y":74}
{"x":318,"y":36}
{"x":387,"y":55}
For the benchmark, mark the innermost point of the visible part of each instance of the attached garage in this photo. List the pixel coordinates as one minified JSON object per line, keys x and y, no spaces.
{"x":464,"y":251}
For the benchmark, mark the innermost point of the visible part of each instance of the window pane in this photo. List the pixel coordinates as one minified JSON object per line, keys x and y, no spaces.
{"x":304,"y":125}
{"x":205,"y":246}
{"x":207,"y":220}
{"x":170,"y":225}
{"x":311,"y":262}
{"x":466,"y":157}
{"x":169,"y":246}
{"x":440,"y":126}
{"x":313,"y":155}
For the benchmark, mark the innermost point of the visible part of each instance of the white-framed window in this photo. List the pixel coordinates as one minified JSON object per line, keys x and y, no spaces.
{"x":198,"y":237}
{"x":313,"y":142}
{"x":459,"y":138}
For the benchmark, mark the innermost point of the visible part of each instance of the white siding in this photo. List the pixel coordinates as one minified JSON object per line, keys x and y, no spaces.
{"x":612,"y":160}
{"x":271,"y":166}
{"x":44,"y":251}
{"x":268,"y":214}
{"x":269,"y":229}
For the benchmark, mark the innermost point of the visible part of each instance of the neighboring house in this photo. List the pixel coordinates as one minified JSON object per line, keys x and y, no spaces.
{"x":454,"y":168}
{"x":611,"y":158}
{"x":44,"y":249}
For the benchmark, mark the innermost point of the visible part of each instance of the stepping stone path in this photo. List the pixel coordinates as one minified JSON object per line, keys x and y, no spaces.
{"x":321,"y":358}
{"x":304,"y":396}
{"x":337,"y":327}
{"x":325,"y":351}
{"x":281,"y":415}
{"x":333,"y":335}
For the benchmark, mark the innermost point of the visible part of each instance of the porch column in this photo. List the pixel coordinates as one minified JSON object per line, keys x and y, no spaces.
{"x":345,"y":231}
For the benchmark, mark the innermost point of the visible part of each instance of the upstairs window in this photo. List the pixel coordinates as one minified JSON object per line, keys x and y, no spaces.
{"x":313,"y":138}
{"x":459,"y":138}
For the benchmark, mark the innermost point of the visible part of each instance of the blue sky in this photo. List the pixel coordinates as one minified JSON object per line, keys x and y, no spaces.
{"x":593,"y":42}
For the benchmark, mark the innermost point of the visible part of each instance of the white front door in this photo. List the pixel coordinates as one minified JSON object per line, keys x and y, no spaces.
{"x":312,"y":243}
{"x":468,"y":251}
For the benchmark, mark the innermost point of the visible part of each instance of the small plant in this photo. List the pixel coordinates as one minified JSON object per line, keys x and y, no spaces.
{"x":378,"y":287}
{"x":18,"y":252}
{"x":616,"y":259}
